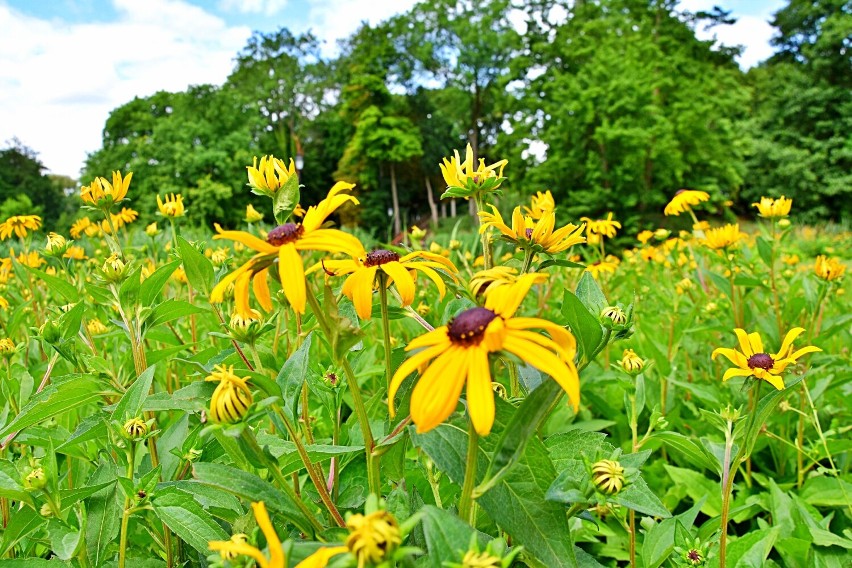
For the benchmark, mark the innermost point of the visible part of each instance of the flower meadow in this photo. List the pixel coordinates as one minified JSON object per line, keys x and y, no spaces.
{"x":527,"y":391}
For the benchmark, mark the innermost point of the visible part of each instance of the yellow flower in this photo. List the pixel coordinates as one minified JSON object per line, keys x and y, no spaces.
{"x":18,"y":225}
{"x":608,"y":476}
{"x":473,"y":559}
{"x":219,"y":256}
{"x":462,"y":175}
{"x":232,"y":397}
{"x":152,"y":230}
{"x":460,"y":351}
{"x":172,"y":207}
{"x":4,"y":303}
{"x":93,"y":230}
{"x":95,"y":327}
{"x":685,"y":199}
{"x":270,"y":175}
{"x":253,"y":215}
{"x":113,"y":268}
{"x":752,"y":361}
{"x":723,"y":237}
{"x":417,"y":234}
{"x":773,"y":208}
{"x":605,"y":227}
{"x":828,"y":269}
{"x":31,"y":259}
{"x":540,"y":204}
{"x":537,"y":236}
{"x":607,"y":266}
{"x":631,"y":362}
{"x":56,"y":244}
{"x":102,"y":193}
{"x":645,"y":236}
{"x":284,"y":243}
{"x":298,"y":211}
{"x":372,"y":538}
{"x":488,"y":280}
{"x":277,"y":558}
{"x":79,"y":226}
{"x":363,"y":271}
{"x":7,"y":347}
{"x":125,"y":216}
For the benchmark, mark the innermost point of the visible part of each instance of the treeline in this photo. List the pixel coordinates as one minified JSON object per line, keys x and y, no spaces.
{"x":610,"y":104}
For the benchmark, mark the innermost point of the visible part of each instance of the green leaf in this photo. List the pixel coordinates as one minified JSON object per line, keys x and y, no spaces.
{"x":11,"y":485}
{"x":250,"y":487}
{"x":92,"y":428}
{"x":447,"y":536}
{"x":128,"y":293}
{"x":694,"y":453}
{"x":584,"y":325}
{"x":639,"y":497}
{"x":71,"y":497}
{"x":589,"y":292}
{"x":187,"y":519}
{"x":22,"y":523}
{"x":103,"y":515}
{"x":764,"y":249}
{"x":56,"y":398}
{"x":559,"y":262}
{"x":153,"y":285}
{"x":130,"y":404}
{"x":752,"y":549}
{"x":220,"y":504}
{"x":292,"y":376}
{"x":697,"y":487}
{"x":660,"y":539}
{"x":825,"y":492}
{"x":198,"y":268}
{"x":171,"y":310}
{"x":286,"y":199}
{"x":58,"y":285}
{"x":63,"y":539}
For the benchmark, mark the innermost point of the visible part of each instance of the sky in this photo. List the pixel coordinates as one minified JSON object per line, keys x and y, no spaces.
{"x":65,"y":64}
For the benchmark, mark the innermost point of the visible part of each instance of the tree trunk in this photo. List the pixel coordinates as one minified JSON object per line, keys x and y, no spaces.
{"x":452,"y":208}
{"x":433,"y":207}
{"x":397,"y":221}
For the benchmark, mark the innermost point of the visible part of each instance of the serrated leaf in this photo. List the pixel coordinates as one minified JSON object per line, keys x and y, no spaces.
{"x":55,"y":399}
{"x":447,"y":536}
{"x":58,"y":285}
{"x":292,"y":376}
{"x":171,"y":310}
{"x":130,"y":404}
{"x":639,"y":497}
{"x":187,"y":519}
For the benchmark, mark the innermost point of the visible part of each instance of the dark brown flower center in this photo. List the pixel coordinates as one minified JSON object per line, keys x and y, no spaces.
{"x":529,"y":233}
{"x":678,"y":192}
{"x":380,"y":256}
{"x":760,"y":361}
{"x":283,"y":234}
{"x":468,"y":327}
{"x":693,"y":555}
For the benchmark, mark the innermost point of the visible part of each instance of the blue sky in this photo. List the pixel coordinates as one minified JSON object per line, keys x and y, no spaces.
{"x":65,"y":64}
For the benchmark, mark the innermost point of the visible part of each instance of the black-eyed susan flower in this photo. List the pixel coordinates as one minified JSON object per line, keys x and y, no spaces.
{"x":372,"y":537}
{"x":232,"y":397}
{"x":284,"y":243}
{"x":19,"y":225}
{"x":684,"y":200}
{"x":56,"y":245}
{"x":753,"y":361}
{"x":229,"y":549}
{"x":608,"y":476}
{"x":172,"y":206}
{"x":486,"y":280}
{"x":631,"y":362}
{"x":113,"y":268}
{"x":103,"y":194}
{"x":828,"y":269}
{"x":536,"y":236}
{"x":253,"y":215}
{"x":95,"y":327}
{"x":723,"y":237}
{"x":606,"y":266}
{"x":270,"y":176}
{"x":125,"y":216}
{"x":75,"y":253}
{"x":645,"y":236}
{"x":773,"y":208}
{"x":79,"y":226}
{"x":461,"y":352}
{"x":540,"y":204}
{"x":364,"y":270}
{"x":465,"y":181}
{"x":135,"y":428}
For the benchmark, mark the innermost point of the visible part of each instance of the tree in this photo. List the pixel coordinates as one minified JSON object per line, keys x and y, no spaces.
{"x":22,"y":174}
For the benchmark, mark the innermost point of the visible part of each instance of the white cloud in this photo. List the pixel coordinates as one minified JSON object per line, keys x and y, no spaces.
{"x":60,"y":81}
{"x":336,"y":19}
{"x":267,"y":7}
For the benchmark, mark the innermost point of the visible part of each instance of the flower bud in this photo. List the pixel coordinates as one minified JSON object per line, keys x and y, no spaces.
{"x":7,"y":348}
{"x":56,"y":245}
{"x":608,"y":476}
{"x":113,"y":269}
{"x":253,"y":215}
{"x":417,"y":234}
{"x":232,"y":397}
{"x":631,"y":362}
{"x":50,"y":332}
{"x":455,"y":244}
{"x":135,"y":429}
{"x":615,"y":314}
{"x":36,"y":479}
{"x":152,"y":230}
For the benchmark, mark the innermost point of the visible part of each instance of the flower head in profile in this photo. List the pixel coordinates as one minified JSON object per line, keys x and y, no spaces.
{"x":172,"y":206}
{"x":607,"y":266}
{"x":773,"y":208}
{"x":79,"y":227}
{"x":230,"y":549}
{"x":253,"y":215}
{"x":537,"y":236}
{"x":540,"y":204}
{"x":601,"y":227}
{"x":232,"y":397}
{"x":75,"y":252}
{"x":101,"y":193}
{"x":463,"y":180}
{"x":284,"y":244}
{"x":458,"y":353}
{"x":485,"y":281}
{"x":752,"y":361}
{"x":684,"y":200}
{"x":364,"y":272}
{"x":270,"y":175}
{"x":723,"y":237}
{"x":828,"y":269}
{"x":19,"y":225}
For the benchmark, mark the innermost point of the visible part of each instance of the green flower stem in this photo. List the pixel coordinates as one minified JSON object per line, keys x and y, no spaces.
{"x":316,"y":478}
{"x":800,"y":426}
{"x":111,"y":238}
{"x":634,"y":431}
{"x":383,"y":301}
{"x":466,"y":507}
{"x":373,"y":473}
{"x":247,"y":436}
{"x":483,"y":237}
{"x":127,"y":511}
{"x":529,"y":255}
{"x":772,"y":282}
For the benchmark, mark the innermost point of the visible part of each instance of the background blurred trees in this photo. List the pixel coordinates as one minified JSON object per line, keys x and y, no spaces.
{"x":610,"y":104}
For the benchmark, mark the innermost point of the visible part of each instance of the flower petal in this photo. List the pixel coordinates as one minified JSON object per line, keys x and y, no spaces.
{"x":736,"y":372}
{"x":480,"y":395}
{"x":247,"y":239}
{"x":409,"y":366}
{"x":733,"y":356}
{"x":292,"y":274}
{"x":788,"y":342}
{"x":437,"y":393}
{"x":745,"y":345}
{"x":361,"y":287}
{"x":563,"y":372}
{"x":402,"y":279}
